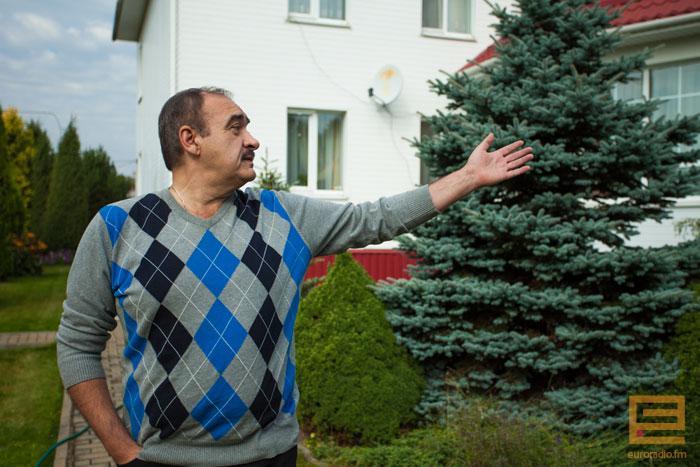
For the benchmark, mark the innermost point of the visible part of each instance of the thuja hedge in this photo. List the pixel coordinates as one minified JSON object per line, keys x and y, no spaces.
{"x":355,"y":381}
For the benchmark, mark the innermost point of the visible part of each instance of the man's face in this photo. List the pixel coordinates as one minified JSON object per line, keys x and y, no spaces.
{"x":228,"y":148}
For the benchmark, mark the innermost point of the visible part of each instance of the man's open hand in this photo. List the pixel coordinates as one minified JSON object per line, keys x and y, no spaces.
{"x":482,"y":168}
{"x":489,"y":168}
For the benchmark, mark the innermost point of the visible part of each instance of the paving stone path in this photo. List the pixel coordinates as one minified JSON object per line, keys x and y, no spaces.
{"x":11,"y":340}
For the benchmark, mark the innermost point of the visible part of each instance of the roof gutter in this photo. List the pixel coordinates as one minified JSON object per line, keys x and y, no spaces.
{"x":660,"y":29}
{"x":637,"y":33}
{"x":128,"y":19}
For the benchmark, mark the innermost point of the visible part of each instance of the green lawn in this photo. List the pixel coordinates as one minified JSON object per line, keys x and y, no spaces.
{"x":33,"y":303}
{"x":30,"y":404}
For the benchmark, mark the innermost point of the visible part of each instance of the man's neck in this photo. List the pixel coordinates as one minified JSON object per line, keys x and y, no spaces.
{"x":198,"y":195}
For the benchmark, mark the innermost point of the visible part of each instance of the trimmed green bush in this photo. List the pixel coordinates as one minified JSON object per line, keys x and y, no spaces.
{"x":355,"y":381}
{"x":433,"y":446}
{"x":472,"y":436}
{"x":685,"y":346}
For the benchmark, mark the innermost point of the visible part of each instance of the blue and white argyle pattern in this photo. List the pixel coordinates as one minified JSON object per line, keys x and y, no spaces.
{"x":209,"y":315}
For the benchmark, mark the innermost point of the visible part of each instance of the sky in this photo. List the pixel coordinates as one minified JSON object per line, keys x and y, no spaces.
{"x":58,"y":61}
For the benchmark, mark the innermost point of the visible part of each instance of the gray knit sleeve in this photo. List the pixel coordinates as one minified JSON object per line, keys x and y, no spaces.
{"x":88,"y":310}
{"x":329,"y":227}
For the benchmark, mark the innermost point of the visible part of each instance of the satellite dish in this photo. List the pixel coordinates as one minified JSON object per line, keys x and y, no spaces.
{"x":386,"y":85}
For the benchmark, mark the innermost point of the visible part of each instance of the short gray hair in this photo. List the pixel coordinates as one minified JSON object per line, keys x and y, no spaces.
{"x":183,"y":108}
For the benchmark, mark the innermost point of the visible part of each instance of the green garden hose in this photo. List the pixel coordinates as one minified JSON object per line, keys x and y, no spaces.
{"x":62,"y":441}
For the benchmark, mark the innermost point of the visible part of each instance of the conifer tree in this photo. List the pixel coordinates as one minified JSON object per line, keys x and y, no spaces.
{"x":104,"y":185}
{"x":269,"y":177}
{"x":41,"y":176}
{"x":67,"y":209}
{"x":11,"y":207}
{"x":354,"y":380}
{"x":21,"y":152}
{"x":526,"y":290}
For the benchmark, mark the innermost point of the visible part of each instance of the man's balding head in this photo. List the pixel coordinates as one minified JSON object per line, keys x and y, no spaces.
{"x":184,"y":108}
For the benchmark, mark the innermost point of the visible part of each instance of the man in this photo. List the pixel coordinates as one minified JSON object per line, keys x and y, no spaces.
{"x":205,"y":279}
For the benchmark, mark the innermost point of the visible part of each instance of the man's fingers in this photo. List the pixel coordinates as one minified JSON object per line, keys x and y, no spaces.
{"x":519,"y":154}
{"x":512,"y":146}
{"x":486,"y":142}
{"x":517,"y":163}
{"x":527,"y":157}
{"x":516,"y":172}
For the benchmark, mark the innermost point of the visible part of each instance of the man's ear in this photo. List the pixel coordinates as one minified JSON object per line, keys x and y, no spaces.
{"x":189,"y":140}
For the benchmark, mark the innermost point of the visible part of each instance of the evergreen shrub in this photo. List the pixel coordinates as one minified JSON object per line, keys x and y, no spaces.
{"x":685,"y":346}
{"x":66,"y":213}
{"x":529,"y":290}
{"x":12,"y":212}
{"x":355,"y":382}
{"x":473,"y":436}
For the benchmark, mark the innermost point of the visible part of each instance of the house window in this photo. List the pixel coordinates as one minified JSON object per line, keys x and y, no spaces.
{"x":631,"y":91}
{"x":426,"y":131}
{"x":447,"y":16}
{"x":678,"y":86}
{"x":314,"y":149}
{"x":323,"y":9}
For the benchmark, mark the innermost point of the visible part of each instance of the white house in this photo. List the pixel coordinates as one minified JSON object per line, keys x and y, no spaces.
{"x":301,"y":70}
{"x":672,"y":75}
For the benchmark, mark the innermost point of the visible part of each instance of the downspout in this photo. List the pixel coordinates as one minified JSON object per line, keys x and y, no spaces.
{"x":174,"y":14}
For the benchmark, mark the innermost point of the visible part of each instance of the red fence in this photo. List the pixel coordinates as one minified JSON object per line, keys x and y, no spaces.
{"x":380,"y":264}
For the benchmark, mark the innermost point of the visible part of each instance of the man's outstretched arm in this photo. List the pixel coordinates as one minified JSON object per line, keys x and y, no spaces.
{"x":329,"y":228}
{"x":482,"y":168}
{"x":92,"y":399}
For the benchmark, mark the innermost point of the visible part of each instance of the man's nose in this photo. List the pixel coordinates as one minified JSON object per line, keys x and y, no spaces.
{"x":251,"y":142}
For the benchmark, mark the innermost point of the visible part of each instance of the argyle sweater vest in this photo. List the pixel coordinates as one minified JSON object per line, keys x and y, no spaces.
{"x":208,"y":309}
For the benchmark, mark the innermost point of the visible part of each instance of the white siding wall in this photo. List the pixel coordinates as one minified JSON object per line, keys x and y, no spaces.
{"x":673,"y":51}
{"x":271,"y":64}
{"x":154,"y":88}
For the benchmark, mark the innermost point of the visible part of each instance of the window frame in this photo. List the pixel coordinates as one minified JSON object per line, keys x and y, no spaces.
{"x":313,"y":17}
{"x":312,"y":163}
{"x":443,"y":33}
{"x":680,"y":94}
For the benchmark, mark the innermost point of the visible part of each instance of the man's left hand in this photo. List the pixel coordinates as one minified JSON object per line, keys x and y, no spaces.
{"x":489,"y":168}
{"x":482,"y":168}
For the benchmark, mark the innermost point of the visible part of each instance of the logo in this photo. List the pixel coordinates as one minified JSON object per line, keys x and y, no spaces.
{"x":638,"y":431}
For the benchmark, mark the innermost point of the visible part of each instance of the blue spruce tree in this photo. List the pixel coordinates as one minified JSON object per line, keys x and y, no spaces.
{"x":526,"y":290}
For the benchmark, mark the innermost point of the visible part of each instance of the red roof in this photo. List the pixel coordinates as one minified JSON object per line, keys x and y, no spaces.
{"x":638,"y":11}
{"x":647,"y":10}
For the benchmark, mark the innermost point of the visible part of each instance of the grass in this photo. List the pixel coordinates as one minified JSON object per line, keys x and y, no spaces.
{"x":33,"y":303}
{"x":30,"y":404}
{"x":301,"y":461}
